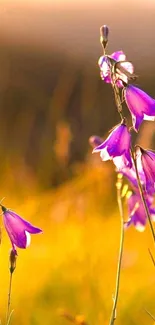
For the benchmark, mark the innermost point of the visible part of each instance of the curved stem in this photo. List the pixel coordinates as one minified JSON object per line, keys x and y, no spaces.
{"x":119,"y":201}
{"x":142,"y":195}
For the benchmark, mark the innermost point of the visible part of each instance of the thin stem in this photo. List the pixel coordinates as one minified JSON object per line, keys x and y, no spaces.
{"x":142,"y":195}
{"x":9,"y":298}
{"x":152,"y":258}
{"x":120,"y":206}
{"x":149,"y":314}
{"x":9,"y":318}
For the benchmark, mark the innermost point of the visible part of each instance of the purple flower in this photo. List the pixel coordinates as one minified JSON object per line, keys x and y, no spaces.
{"x":106,"y":64}
{"x":117,"y":147}
{"x":141,"y":105}
{"x":137,"y":212}
{"x":130,"y":175}
{"x":146,"y":161}
{"x":95,"y":140}
{"x":18,"y":229}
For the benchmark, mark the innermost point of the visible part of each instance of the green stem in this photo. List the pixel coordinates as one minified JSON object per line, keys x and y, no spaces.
{"x":115,"y":298}
{"x":142,"y":195}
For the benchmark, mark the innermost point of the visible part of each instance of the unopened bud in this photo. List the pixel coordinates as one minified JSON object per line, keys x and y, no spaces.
{"x":104,"y":31}
{"x":12,"y":258}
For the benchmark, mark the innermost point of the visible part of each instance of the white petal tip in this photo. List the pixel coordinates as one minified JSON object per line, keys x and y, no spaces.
{"x":149,"y":118}
{"x":28,"y":238}
{"x":139,"y":227}
{"x":153,"y":217}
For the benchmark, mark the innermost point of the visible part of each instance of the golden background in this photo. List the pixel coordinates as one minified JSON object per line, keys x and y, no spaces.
{"x":51,"y":101}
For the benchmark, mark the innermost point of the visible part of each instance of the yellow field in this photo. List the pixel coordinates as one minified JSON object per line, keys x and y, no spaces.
{"x":72,"y":266}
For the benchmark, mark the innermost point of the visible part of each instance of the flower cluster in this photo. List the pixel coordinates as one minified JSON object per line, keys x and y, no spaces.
{"x":139,"y":165}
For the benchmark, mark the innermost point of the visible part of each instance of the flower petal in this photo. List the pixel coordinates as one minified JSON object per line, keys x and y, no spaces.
{"x":127,"y":66}
{"x":18,"y":229}
{"x":28,"y":239}
{"x":139,"y":226}
{"x":117,"y":147}
{"x":140,"y":105}
{"x":118,"y":56}
{"x":105,"y":155}
{"x":25,"y":224}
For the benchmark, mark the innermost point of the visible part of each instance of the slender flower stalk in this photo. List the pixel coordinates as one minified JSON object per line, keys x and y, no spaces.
{"x":150,"y":314}
{"x":152,"y":258}
{"x":12,"y":259}
{"x":9,"y":319}
{"x":9,"y":299}
{"x":141,"y":191}
{"x":120,"y":206}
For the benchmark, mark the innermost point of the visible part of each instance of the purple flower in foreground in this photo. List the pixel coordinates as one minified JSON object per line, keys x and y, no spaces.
{"x":106,"y":63}
{"x":117,"y":147}
{"x":146,"y":160}
{"x":137,"y":212}
{"x":18,"y":229}
{"x":141,"y":105}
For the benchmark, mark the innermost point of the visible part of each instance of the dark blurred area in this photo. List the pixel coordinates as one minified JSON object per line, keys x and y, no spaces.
{"x":51,"y":96}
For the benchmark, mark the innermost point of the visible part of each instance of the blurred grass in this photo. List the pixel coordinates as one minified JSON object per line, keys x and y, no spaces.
{"x":72,"y":265}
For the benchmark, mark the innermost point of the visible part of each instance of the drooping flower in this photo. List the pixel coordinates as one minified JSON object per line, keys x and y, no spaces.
{"x":18,"y":229}
{"x":137,"y":212}
{"x":117,"y":147}
{"x":123,"y":69}
{"x":140,"y":104}
{"x":146,"y":161}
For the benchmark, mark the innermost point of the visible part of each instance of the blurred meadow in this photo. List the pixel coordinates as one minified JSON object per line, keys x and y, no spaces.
{"x":51,"y":101}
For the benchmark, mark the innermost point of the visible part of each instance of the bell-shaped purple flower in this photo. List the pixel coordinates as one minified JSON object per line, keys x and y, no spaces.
{"x":18,"y":229}
{"x":117,"y":147}
{"x":106,"y":63}
{"x":146,"y":161}
{"x":140,"y":104}
{"x":137,"y":212}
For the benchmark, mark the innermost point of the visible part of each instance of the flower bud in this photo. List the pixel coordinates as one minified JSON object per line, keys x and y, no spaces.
{"x":12,"y":258}
{"x":95,"y":141}
{"x":104,"y":31}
